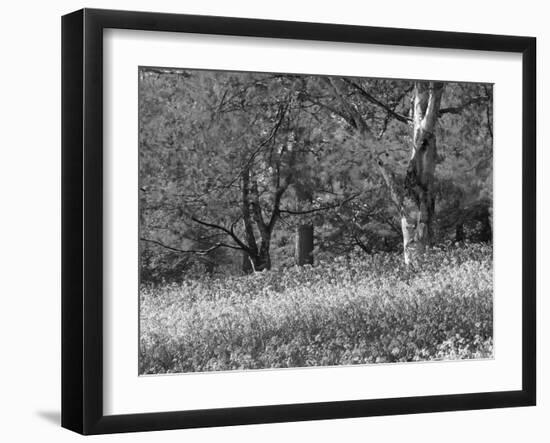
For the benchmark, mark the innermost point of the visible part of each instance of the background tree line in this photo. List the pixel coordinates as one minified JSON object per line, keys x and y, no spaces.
{"x":241,"y":172}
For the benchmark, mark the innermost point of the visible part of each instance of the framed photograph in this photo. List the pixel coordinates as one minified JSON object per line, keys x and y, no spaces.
{"x":269,"y":221}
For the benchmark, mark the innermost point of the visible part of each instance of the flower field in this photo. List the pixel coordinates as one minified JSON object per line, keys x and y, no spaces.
{"x":352,"y":310}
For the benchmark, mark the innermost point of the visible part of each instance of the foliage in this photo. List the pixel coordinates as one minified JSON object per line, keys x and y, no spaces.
{"x":354,"y":309}
{"x":296,"y":141}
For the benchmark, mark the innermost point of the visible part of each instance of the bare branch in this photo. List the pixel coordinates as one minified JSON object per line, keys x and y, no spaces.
{"x":354,"y":116}
{"x":392,"y":225}
{"x":280,"y":118}
{"x":393,"y":108}
{"x":362,"y":245}
{"x":230,"y":232}
{"x":458,"y":109}
{"x":192,"y":251}
{"x":276,"y":202}
{"x":377,"y":102}
{"x":395,"y":193}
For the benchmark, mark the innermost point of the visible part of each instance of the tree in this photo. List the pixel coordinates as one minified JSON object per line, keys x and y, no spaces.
{"x":414,"y":194}
{"x":417,"y":225}
{"x":238,"y":137}
{"x":240,"y":172}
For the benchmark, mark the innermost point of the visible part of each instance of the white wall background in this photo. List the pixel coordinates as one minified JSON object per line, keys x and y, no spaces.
{"x":30,"y":220}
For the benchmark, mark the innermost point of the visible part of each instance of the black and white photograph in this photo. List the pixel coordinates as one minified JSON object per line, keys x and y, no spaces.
{"x":266,"y":222}
{"x":290,"y":220}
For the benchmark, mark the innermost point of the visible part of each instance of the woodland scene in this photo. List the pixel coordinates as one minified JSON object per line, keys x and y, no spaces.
{"x":291,"y":220}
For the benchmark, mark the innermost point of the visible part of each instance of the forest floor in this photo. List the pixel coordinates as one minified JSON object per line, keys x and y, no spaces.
{"x":355,"y":310}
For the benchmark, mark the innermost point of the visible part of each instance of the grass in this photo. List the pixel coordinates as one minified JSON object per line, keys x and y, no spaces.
{"x":353,"y":310}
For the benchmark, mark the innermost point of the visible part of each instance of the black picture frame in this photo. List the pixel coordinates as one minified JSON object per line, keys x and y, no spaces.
{"x":82,"y":218}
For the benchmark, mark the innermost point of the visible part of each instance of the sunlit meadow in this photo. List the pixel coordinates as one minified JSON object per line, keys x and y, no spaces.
{"x":353,"y":310}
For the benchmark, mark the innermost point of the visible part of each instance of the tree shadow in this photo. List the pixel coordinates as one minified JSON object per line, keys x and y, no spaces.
{"x":54,"y":417}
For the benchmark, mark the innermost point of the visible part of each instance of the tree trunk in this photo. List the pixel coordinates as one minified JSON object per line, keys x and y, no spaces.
{"x":487,"y":227}
{"x":304,"y":244}
{"x":459,"y":232}
{"x":257,"y":262}
{"x":246,"y":264}
{"x":208,"y":266}
{"x":417,"y":225}
{"x":262,"y":261}
{"x":304,"y":232}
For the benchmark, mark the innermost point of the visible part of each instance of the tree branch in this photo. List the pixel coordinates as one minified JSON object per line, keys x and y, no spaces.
{"x":335,"y":111}
{"x":276,"y":202}
{"x":393,"y":108}
{"x":280,"y":117}
{"x":245,"y":209}
{"x":192,"y":251}
{"x":256,"y":207}
{"x":359,"y":243}
{"x":230,"y":232}
{"x":396,"y":195}
{"x":354,"y":117}
{"x":377,"y":102}
{"x":281,"y":189}
{"x":324,"y":208}
{"x":458,"y":109}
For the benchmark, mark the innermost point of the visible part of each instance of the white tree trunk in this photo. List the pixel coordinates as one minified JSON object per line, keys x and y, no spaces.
{"x":417,"y":224}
